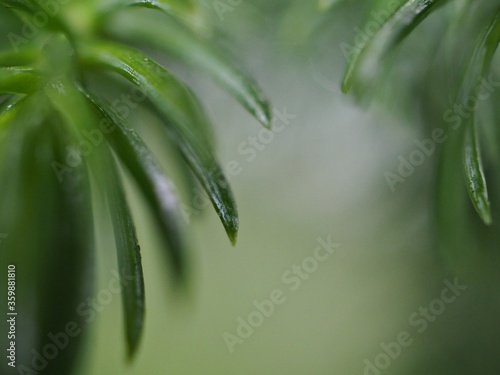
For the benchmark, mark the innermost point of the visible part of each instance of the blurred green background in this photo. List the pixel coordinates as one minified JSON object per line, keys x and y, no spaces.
{"x":321,"y":176}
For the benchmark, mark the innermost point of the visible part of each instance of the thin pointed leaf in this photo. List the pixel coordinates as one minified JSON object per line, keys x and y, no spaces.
{"x":401,"y":23}
{"x":69,"y":254}
{"x":181,"y":114}
{"x":478,"y":65}
{"x":129,"y":258}
{"x":474,"y":175}
{"x":78,"y":115}
{"x":161,"y":87}
{"x":481,"y":57}
{"x":452,"y":204}
{"x":169,"y":36}
{"x":157,"y":189}
{"x":211,"y":177}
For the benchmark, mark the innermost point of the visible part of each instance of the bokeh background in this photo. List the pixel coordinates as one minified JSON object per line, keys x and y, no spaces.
{"x":321,"y":176}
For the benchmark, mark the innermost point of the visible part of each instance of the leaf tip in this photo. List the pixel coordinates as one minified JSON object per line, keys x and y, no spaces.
{"x":485,"y":215}
{"x":232,"y":227}
{"x":233,"y":237}
{"x":346,"y":84}
{"x":265,"y":116}
{"x":132,"y":348}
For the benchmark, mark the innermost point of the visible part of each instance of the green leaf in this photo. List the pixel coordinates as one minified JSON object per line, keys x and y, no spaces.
{"x":157,"y":189}
{"x":67,"y":265}
{"x":129,"y":257}
{"x":452,"y":204}
{"x":182,"y":115}
{"x":480,"y":59}
{"x":9,"y":110}
{"x":25,"y":56}
{"x":212,"y":178}
{"x":24,"y":5}
{"x":55,"y":254}
{"x":474,"y":175}
{"x":174,"y":38}
{"x":17,"y":117}
{"x":79,"y":117}
{"x":401,"y":23}
{"x":26,"y":9}
{"x":7,"y":102}
{"x":478,"y":65}
{"x":18,"y":80}
{"x":181,"y":8}
{"x":161,"y":87}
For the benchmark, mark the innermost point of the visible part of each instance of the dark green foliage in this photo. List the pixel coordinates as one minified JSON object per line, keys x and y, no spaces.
{"x":49,"y":165}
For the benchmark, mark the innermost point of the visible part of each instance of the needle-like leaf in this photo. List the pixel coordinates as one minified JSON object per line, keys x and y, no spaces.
{"x":474,"y":175}
{"x":129,"y":256}
{"x":480,"y":60}
{"x":477,"y":67}
{"x":182,"y":115}
{"x":401,"y":23}
{"x":174,"y":38}
{"x":65,"y":98}
{"x":156,"y":187}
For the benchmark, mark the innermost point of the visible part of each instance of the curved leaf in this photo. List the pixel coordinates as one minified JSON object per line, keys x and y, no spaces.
{"x":7,"y":102}
{"x":404,"y":20}
{"x":480,"y":60}
{"x":156,"y":188}
{"x":74,"y":108}
{"x":181,"y":113}
{"x":18,"y":80}
{"x":169,"y":36}
{"x":10,"y":110}
{"x":474,"y":175}
{"x":129,"y":257}
{"x":478,"y":65}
